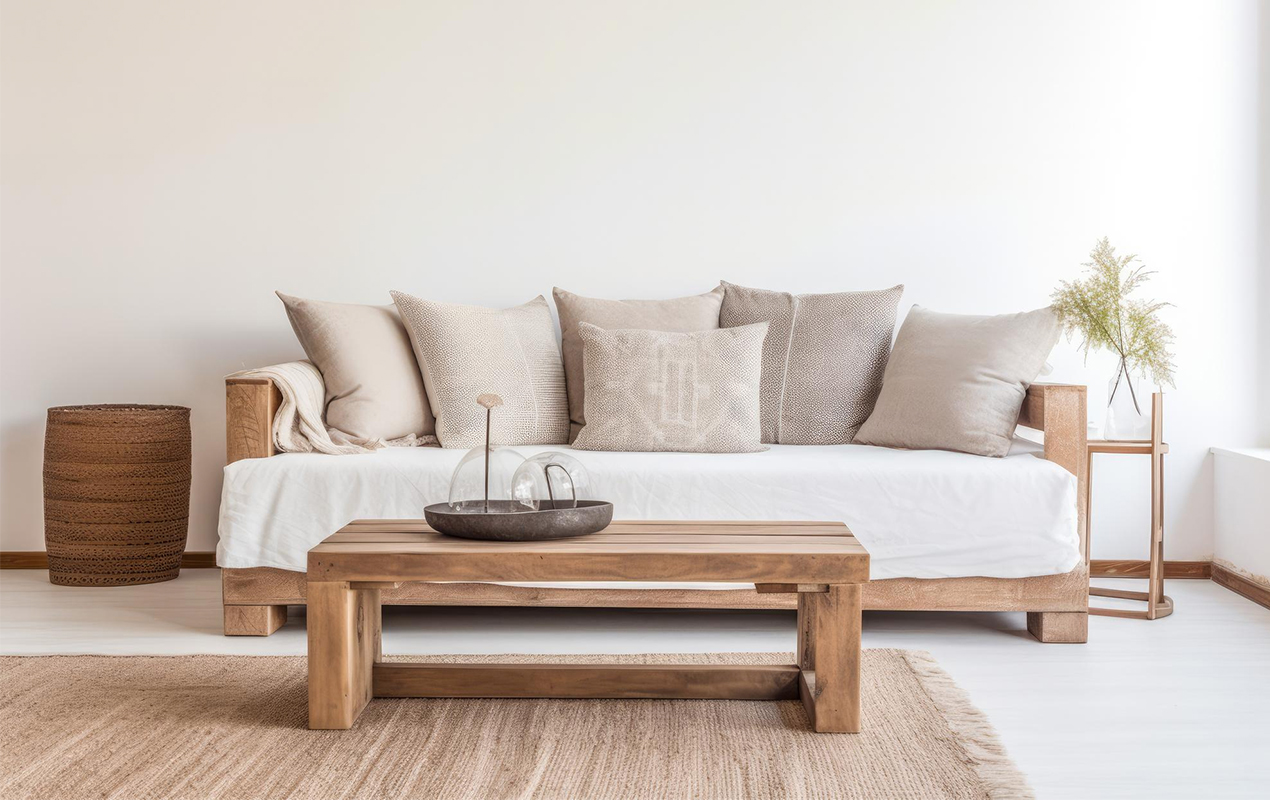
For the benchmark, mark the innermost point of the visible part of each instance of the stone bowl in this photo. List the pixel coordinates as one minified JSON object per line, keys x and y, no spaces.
{"x":502,"y":523}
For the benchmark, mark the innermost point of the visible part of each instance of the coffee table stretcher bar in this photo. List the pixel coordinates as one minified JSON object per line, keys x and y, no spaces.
{"x":345,"y":662}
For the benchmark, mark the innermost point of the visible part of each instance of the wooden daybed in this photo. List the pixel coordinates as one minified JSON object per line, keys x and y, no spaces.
{"x":255,"y":600}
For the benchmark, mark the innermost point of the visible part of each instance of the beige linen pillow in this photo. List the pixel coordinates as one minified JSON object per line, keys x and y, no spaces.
{"x":683,"y":392}
{"x":822,"y":361}
{"x":465,"y":351}
{"x":957,"y":381}
{"x":373,"y":387}
{"x":681,"y":314}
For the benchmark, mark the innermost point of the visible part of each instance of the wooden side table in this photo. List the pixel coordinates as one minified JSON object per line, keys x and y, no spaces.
{"x":1158,"y":605}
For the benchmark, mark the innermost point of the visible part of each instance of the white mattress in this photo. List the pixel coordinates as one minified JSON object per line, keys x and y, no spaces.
{"x":920,"y":514}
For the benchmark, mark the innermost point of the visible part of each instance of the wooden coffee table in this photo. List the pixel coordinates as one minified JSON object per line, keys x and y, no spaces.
{"x":821,"y":561}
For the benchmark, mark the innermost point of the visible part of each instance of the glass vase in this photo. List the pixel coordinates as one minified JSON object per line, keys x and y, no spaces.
{"x":1128,"y":407}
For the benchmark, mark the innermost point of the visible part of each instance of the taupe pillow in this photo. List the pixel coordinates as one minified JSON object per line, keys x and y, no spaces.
{"x":822,"y":361}
{"x":373,"y":386}
{"x":465,"y":351}
{"x":681,"y":314}
{"x":684,"y":392}
{"x":956,"y":381}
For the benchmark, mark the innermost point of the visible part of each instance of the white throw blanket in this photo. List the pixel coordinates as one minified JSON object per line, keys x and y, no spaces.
{"x":299,"y":427}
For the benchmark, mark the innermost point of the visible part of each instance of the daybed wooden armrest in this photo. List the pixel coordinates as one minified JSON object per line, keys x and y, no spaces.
{"x":1058,"y":410}
{"x":250,"y":406}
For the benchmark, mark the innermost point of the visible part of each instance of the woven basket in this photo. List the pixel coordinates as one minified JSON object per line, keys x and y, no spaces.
{"x":116,"y":493}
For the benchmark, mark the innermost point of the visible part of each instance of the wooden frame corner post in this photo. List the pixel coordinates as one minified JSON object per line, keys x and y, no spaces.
{"x":829,"y":657}
{"x":1060,"y":412}
{"x":344,"y":646}
{"x":250,"y":405}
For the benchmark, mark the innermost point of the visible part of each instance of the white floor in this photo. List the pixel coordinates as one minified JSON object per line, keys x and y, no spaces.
{"x":1178,"y":707}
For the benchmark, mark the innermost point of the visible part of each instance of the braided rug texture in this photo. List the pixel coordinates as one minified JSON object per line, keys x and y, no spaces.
{"x":235,"y":727}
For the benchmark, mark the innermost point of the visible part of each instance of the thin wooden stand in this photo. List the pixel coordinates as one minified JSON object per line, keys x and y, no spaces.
{"x":1158,"y":605}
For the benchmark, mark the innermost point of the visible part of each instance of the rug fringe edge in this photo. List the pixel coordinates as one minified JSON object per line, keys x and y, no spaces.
{"x":1003,"y":778}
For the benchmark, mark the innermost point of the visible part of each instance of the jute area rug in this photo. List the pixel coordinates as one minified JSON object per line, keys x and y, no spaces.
{"x":235,"y":727}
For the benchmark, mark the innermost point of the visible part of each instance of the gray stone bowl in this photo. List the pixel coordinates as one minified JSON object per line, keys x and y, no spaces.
{"x":503,"y":524}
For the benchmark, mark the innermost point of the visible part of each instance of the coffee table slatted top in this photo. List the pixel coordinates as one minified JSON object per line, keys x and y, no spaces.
{"x":728,"y":551}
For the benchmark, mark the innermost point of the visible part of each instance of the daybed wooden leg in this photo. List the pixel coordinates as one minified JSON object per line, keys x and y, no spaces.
{"x":1059,"y":627}
{"x":254,"y":620}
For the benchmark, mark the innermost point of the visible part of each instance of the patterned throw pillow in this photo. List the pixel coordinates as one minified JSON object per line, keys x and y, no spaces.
{"x":681,"y":314}
{"x":682,"y":392}
{"x":465,"y":351}
{"x":823,"y":359}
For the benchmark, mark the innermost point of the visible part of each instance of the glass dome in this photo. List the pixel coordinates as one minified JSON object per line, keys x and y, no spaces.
{"x":471,"y":480}
{"x":550,"y":480}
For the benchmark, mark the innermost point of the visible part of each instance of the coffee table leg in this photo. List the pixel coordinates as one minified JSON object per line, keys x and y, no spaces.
{"x":829,"y":657}
{"x":344,"y":644}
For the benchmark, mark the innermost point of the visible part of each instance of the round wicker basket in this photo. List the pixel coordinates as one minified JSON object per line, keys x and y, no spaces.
{"x":116,"y":493}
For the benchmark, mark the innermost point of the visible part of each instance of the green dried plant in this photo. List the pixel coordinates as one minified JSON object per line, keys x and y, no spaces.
{"x":1099,"y":308}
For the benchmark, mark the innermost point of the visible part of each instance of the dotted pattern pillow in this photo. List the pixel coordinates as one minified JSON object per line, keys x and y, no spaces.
{"x":823,"y":359}
{"x":465,"y":351}
{"x":682,"y":392}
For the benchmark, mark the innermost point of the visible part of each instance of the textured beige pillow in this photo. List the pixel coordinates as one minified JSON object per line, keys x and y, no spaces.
{"x":681,"y":314}
{"x":465,"y":351}
{"x":373,"y":387}
{"x":956,"y":381}
{"x":684,"y":392}
{"x":822,"y":361}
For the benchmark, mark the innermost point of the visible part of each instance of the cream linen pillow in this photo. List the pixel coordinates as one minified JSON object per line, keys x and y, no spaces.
{"x":465,"y":351}
{"x":373,"y":387}
{"x":683,"y":392}
{"x":956,"y":381}
{"x":822,"y":361}
{"x":681,"y":314}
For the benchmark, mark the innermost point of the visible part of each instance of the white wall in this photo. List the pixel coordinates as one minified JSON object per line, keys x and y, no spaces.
{"x":1241,"y":506}
{"x":166,"y":166}
{"x":1263,"y":139}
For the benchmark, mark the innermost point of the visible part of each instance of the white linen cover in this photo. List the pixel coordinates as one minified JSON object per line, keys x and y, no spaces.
{"x":920,"y":513}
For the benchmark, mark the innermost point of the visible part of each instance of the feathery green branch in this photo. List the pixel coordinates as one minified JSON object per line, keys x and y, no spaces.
{"x":1098,"y":307}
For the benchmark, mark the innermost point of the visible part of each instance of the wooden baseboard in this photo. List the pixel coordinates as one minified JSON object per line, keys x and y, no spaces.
{"x":38,"y":559}
{"x":1111,"y":568}
{"x":24,"y":559}
{"x":1240,"y":585}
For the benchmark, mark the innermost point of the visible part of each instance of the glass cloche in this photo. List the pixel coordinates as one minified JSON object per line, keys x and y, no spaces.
{"x":472,"y":483}
{"x":550,"y":480}
{"x":498,"y":494}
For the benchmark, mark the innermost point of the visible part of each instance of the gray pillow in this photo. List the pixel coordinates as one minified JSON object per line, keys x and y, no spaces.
{"x":681,"y":314}
{"x":682,"y":392}
{"x":957,"y":381}
{"x":465,"y":351}
{"x":373,"y":386}
{"x":822,"y":361}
